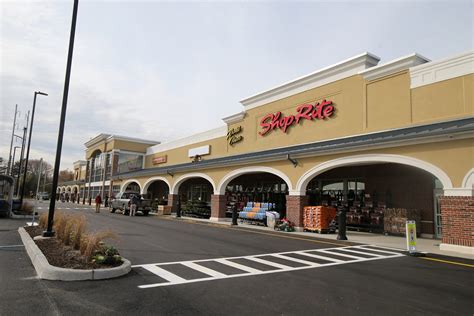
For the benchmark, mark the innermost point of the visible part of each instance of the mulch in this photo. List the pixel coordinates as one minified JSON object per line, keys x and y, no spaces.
{"x":62,"y":256}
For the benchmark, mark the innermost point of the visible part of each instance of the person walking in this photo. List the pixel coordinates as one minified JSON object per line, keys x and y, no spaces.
{"x":98,"y":201}
{"x":106,"y":201}
{"x":133,"y":204}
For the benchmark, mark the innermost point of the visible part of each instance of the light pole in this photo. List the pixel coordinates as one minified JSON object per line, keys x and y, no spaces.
{"x":49,"y":231}
{"x":29,"y":143}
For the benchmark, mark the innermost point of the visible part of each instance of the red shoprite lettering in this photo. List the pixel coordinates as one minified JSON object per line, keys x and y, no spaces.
{"x":310,"y":112}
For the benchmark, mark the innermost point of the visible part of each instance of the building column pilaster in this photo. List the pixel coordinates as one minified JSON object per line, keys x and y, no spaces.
{"x":294,"y":209}
{"x":173,"y":202}
{"x":218,"y":207}
{"x":457,"y":223}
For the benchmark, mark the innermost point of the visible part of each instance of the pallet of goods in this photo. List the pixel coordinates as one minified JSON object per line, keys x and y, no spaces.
{"x":395,"y":219}
{"x":318,"y":218}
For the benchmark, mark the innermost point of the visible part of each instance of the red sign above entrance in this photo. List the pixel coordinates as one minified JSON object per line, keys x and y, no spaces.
{"x":310,"y":112}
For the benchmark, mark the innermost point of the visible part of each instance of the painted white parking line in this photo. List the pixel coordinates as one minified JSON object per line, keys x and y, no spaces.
{"x":203,"y":269}
{"x":162,"y":273}
{"x":237,"y":266}
{"x":159,"y":269}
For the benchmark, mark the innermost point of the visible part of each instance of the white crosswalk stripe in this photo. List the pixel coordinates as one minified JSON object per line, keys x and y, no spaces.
{"x":357,"y":254}
{"x":318,"y":257}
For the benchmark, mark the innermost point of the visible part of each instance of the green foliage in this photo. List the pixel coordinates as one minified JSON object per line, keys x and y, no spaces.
{"x":196,"y":208}
{"x":107,"y":255}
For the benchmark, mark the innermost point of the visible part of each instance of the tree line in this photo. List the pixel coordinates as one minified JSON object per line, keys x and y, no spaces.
{"x":34,"y":171}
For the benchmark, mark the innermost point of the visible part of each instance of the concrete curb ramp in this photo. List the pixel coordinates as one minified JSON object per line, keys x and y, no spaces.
{"x":49,"y":272}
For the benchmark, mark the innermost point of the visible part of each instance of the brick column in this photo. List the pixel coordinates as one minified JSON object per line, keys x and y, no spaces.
{"x":218,"y":207}
{"x":294,"y":209}
{"x":457,"y":213}
{"x":173,"y":202}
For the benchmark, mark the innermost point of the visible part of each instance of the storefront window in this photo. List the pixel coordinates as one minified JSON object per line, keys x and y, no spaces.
{"x":129,"y":162}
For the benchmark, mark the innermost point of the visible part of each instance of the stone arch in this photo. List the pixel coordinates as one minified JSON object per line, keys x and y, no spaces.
{"x":153,"y":179}
{"x":126,"y":183}
{"x":241,"y":171}
{"x":302,"y":183}
{"x":174,"y":189}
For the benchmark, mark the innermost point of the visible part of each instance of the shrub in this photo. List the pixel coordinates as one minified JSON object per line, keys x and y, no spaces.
{"x":107,"y":255}
{"x":92,"y":243}
{"x":43,"y":220}
{"x":27,"y":208}
{"x":59,"y":225}
{"x":78,"y":230}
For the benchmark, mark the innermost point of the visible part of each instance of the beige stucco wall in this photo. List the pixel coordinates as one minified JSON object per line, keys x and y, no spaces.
{"x":360,"y":107}
{"x":454,"y":157}
{"x":447,"y":99}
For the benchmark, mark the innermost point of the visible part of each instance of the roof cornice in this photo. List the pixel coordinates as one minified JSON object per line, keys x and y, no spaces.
{"x":394,"y":66}
{"x":235,"y":118}
{"x":343,"y":69}
{"x":96,"y":140}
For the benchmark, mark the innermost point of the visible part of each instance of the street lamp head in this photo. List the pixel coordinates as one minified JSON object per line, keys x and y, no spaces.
{"x":42,"y":93}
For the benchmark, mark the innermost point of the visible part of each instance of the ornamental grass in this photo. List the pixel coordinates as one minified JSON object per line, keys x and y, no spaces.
{"x":91,"y":243}
{"x":71,"y":231}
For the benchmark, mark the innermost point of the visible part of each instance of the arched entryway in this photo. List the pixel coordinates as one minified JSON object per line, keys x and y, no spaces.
{"x":256,"y":189}
{"x":131,"y":186}
{"x":379,"y":193}
{"x":157,"y":189}
{"x":194,"y":193}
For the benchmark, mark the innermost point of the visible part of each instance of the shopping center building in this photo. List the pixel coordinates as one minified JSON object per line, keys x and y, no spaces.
{"x":399,"y":135}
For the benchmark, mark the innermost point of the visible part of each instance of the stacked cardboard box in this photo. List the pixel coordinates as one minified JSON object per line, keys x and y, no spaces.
{"x":395,"y":220}
{"x":318,"y":217}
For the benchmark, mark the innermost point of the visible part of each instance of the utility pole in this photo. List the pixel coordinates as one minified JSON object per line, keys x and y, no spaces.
{"x":10,"y":166}
{"x":21,"y":161}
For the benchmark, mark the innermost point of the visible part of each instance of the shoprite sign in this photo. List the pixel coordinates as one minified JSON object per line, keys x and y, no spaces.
{"x":318,"y":111}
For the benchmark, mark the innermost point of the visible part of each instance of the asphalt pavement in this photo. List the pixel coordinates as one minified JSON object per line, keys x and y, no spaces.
{"x":187,"y":268}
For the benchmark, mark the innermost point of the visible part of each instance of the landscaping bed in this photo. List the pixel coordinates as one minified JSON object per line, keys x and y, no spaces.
{"x":63,"y":256}
{"x":74,"y":253}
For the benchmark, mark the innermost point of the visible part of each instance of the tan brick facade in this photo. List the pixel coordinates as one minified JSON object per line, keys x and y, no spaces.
{"x":458,"y":220}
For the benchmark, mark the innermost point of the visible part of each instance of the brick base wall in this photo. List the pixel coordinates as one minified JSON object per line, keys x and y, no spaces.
{"x":218,"y":206}
{"x":294,"y":208}
{"x":457,"y":214}
{"x":173,"y":202}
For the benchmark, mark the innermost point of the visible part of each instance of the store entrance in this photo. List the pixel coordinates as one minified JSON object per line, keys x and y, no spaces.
{"x":379,"y":197}
{"x":158,"y":192}
{"x":195,"y":198}
{"x":257,"y":188}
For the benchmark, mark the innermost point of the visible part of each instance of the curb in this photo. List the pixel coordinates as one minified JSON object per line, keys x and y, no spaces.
{"x":49,"y":272}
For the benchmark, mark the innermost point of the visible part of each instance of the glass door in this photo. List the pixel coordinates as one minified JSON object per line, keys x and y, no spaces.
{"x":437,"y":213}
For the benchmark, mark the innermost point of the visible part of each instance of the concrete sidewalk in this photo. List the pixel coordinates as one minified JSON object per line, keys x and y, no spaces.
{"x":423,"y":244}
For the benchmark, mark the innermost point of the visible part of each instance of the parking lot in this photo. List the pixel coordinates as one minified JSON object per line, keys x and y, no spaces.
{"x":183,"y":267}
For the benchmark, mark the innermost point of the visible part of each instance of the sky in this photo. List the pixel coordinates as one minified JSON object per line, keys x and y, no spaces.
{"x":163,"y":70}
